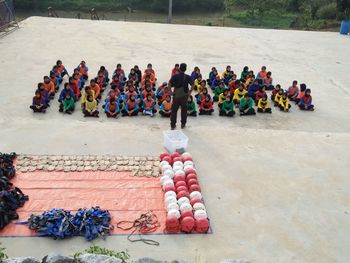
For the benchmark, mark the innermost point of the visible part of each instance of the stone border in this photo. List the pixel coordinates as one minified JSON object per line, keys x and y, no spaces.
{"x":138,"y":166}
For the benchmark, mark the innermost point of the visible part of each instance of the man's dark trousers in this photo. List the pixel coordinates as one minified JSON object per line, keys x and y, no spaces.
{"x":179,"y":102}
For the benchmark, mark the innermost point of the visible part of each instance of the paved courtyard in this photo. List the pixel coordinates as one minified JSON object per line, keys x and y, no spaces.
{"x":277,"y":187}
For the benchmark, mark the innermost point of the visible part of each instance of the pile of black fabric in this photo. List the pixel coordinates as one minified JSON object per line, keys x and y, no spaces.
{"x":11,"y":197}
{"x":60,"y":224}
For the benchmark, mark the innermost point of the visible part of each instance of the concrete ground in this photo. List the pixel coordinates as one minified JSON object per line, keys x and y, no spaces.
{"x":276,"y":187}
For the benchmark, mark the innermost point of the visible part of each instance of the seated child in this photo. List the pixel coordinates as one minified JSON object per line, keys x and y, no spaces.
{"x":112,"y":109}
{"x":226,"y":73}
{"x":101,"y":80}
{"x":284,"y":103}
{"x":105,"y":73}
{"x":227,"y":107}
{"x":278,"y":97}
{"x":68,"y":104}
{"x":49,"y":86}
{"x":165,"y":107}
{"x":175,"y":70}
{"x":202,"y":96}
{"x":197,"y":83}
{"x":38,"y":103}
{"x":268,"y":81}
{"x":162,"y":92}
{"x":119,"y":71}
{"x":231,"y":76}
{"x":149,"y":105}
{"x":138,"y":73}
{"x":196,"y":73}
{"x":56,"y":77}
{"x":78,"y":80}
{"x":293,"y":91}
{"x":244,"y":74}
{"x":259,"y":94}
{"x":206,"y":106}
{"x":61,"y":69}
{"x":148,"y":77}
{"x":246,"y":106}
{"x":253,"y":88}
{"x":216,"y":82}
{"x":96,"y":88}
{"x":87,"y":92}
{"x":133,"y":77}
{"x":131,"y":107}
{"x":66,"y":91}
{"x":239,"y":94}
{"x":275,"y":91}
{"x":191,"y":107}
{"x":150,"y":70}
{"x":117,"y":83}
{"x":305,"y":102}
{"x":234,"y":84}
{"x":44,"y":94}
{"x":262,"y":73}
{"x":263,"y":105}
{"x":90,"y":109}
{"x":203,"y":85}
{"x":212,"y":76}
{"x":73,"y":85}
{"x":115,"y":96}
{"x":301,"y":93}
{"x":218,"y":90}
{"x":83,"y":70}
{"x":223,"y":96}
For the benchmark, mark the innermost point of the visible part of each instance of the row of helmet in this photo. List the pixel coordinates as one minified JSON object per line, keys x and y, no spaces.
{"x":186,"y":211}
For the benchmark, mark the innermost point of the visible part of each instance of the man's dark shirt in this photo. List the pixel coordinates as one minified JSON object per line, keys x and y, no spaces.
{"x":180,"y":83}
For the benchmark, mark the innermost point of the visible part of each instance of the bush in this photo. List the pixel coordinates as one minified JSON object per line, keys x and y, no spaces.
{"x":327,"y":12}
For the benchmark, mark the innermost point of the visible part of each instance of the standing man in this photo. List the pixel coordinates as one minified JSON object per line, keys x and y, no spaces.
{"x":180,"y":83}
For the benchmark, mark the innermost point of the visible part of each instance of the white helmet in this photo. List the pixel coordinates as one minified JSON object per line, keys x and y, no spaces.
{"x":174,"y":212}
{"x":180,"y":172}
{"x":183,"y":200}
{"x":172,"y":206}
{"x":200,"y":214}
{"x":185,"y":207}
{"x":178,"y":163}
{"x":198,"y":206}
{"x":190,"y":163}
{"x":177,"y":168}
{"x":164,"y":178}
{"x":168,"y":182}
{"x":169,"y":173}
{"x":186,"y":154}
{"x":169,"y":200}
{"x":195,"y":194}
{"x":166,"y":167}
{"x":162,"y":163}
{"x":170,"y":193}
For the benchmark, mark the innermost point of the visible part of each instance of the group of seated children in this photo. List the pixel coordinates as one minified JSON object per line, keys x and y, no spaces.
{"x":243,"y":93}
{"x":47,"y":89}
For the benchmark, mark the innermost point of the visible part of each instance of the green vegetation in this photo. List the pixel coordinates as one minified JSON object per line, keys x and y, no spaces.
{"x":283,"y":14}
{"x":3,"y":254}
{"x":93,"y":249}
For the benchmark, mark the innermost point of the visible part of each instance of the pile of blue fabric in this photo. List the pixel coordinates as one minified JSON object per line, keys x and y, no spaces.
{"x":60,"y":224}
{"x":11,"y":197}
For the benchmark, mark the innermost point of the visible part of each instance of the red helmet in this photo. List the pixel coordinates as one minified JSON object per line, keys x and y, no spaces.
{"x":175,"y":154}
{"x":181,"y":189}
{"x":162,"y":155}
{"x":183,"y":194}
{"x":179,"y":177}
{"x":172,"y":224}
{"x":190,"y":171}
{"x":169,"y":188}
{"x":180,"y":183}
{"x":202,"y":225}
{"x":187,"y":224}
{"x":187,"y":158}
{"x":195,"y":200}
{"x":194,"y":187}
{"x":191,"y":176}
{"x":187,"y":213}
{"x":192,"y":182}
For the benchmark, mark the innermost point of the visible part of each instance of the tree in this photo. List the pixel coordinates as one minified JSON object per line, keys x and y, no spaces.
{"x":344,"y":7}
